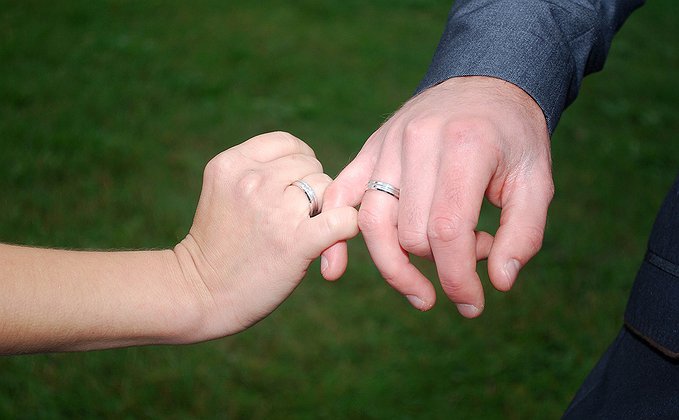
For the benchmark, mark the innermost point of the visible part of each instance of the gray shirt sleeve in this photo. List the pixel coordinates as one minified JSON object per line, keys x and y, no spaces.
{"x":545,"y":47}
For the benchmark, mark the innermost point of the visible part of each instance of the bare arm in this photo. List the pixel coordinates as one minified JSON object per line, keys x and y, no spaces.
{"x":71,"y":300}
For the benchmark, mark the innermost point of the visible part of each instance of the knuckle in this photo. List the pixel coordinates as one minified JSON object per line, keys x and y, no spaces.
{"x":368,"y":221}
{"x":413,"y":241}
{"x":283,"y":136}
{"x":219,"y":167}
{"x":550,"y":191}
{"x":445,"y":228}
{"x":419,"y":127}
{"x":533,"y":237}
{"x":453,"y":288}
{"x":314,"y":163}
{"x":294,"y":142}
{"x":249,"y":184}
{"x":390,"y":277}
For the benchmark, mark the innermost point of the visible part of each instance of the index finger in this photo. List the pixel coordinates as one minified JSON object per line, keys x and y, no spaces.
{"x":378,"y":220}
{"x":378,"y":217}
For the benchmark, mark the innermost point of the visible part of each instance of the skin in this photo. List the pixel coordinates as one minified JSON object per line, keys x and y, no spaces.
{"x":446,"y":149}
{"x":249,"y":247}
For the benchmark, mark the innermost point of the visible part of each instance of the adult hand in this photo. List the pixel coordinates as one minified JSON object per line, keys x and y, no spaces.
{"x":446,"y":148}
{"x":252,"y":238}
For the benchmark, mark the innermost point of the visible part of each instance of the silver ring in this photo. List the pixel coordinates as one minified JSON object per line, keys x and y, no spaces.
{"x":384,"y":187}
{"x":310,"y":194}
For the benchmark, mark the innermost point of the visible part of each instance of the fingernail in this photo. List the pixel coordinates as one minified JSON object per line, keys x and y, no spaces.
{"x":416,"y":302}
{"x":512,"y":268}
{"x":324,"y":263}
{"x":468,"y":311}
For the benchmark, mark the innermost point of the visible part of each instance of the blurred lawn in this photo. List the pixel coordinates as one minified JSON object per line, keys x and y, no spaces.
{"x":109,"y":110}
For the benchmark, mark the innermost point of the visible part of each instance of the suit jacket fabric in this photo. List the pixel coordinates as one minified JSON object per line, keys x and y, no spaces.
{"x":545,"y":47}
{"x":638,"y":376}
{"x":653,"y":308}
{"x":631,"y":381}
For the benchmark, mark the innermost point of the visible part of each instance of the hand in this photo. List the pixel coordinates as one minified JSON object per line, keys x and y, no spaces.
{"x":252,"y":239}
{"x":447,"y":148}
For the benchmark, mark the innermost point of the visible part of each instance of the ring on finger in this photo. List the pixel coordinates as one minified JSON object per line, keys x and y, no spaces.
{"x":315,"y":209}
{"x":384,"y":187}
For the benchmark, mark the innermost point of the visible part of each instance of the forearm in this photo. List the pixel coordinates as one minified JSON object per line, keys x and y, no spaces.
{"x":56,"y":300}
{"x":544,"y":47}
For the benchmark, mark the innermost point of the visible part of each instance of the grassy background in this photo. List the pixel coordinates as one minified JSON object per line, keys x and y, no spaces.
{"x":109,"y":110}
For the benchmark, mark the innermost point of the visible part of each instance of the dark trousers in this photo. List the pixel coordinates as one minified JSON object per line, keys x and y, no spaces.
{"x":638,"y":376}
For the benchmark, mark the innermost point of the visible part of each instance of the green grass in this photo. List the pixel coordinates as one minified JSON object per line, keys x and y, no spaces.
{"x":110,"y":109}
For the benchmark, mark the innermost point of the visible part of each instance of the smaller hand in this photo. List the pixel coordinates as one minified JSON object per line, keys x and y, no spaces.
{"x":252,"y":238}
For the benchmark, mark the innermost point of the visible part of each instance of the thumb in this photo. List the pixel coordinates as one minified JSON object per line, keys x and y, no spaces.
{"x":519,"y":237}
{"x":320,"y":232}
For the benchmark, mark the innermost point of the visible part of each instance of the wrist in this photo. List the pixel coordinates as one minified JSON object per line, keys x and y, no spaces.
{"x":193,"y":301}
{"x":214,"y":305}
{"x":500,"y":96}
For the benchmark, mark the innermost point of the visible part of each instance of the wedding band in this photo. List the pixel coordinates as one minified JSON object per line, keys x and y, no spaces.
{"x":310,"y":194}
{"x":384,"y":187}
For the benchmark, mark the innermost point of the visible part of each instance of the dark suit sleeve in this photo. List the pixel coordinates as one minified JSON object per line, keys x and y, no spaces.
{"x":545,"y":47}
